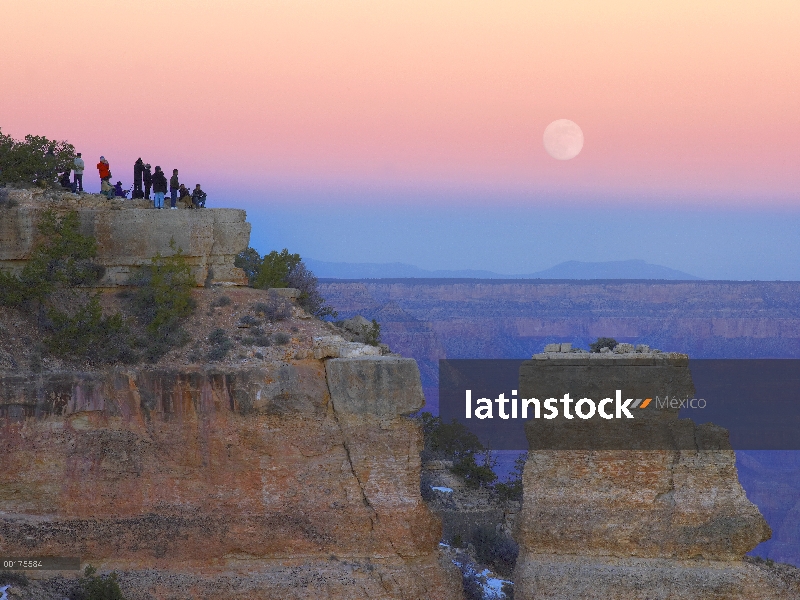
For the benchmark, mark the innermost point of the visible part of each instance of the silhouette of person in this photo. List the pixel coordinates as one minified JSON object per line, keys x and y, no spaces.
{"x":147,"y":177}
{"x":138,"y":174}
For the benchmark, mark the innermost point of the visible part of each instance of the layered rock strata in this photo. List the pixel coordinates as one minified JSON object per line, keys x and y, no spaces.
{"x":671,"y":521}
{"x":293,"y":480}
{"x":129,"y":235}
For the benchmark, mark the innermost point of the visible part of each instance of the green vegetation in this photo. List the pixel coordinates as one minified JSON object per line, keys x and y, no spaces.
{"x":97,"y":587}
{"x":275,"y":269}
{"x":15,"y":578}
{"x":274,"y":309}
{"x":162,"y":302}
{"x":373,"y":335}
{"x":55,"y":285}
{"x":52,"y":286}
{"x":221,"y":301}
{"x":603,"y":342}
{"x":280,"y":270}
{"x":220,"y":345}
{"x":62,"y":260}
{"x":455,"y":442}
{"x":512,"y":489}
{"x":496,"y":549}
{"x":281,"y":339}
{"x":35,"y":160}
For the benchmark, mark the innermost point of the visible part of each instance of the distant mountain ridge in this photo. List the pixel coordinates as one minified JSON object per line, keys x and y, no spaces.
{"x":573,"y":269}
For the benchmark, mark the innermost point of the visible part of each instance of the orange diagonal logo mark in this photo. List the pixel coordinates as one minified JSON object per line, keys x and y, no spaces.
{"x":645,"y":403}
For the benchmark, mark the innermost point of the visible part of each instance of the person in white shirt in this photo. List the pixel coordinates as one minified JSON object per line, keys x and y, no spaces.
{"x":79,"y":166}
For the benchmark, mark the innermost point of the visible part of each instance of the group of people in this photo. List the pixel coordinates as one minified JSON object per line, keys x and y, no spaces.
{"x":143,"y":181}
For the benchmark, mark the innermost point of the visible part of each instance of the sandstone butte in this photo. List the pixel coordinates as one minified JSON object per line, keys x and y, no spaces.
{"x":668,"y":521}
{"x":299,"y":478}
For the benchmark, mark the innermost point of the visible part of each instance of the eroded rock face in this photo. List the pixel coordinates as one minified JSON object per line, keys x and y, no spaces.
{"x":129,"y":234}
{"x":667,"y":522}
{"x":276,"y":482}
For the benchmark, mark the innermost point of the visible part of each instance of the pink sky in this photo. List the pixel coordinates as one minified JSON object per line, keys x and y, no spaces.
{"x":680,"y":101}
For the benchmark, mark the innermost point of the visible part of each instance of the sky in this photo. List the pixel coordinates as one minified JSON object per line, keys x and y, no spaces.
{"x":360,"y":131}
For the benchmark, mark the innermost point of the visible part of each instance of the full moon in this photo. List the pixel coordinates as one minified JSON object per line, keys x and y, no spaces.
{"x":563,"y":139}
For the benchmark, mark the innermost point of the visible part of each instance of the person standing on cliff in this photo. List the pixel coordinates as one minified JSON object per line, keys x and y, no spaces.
{"x":159,"y":187}
{"x":79,"y":167}
{"x":147,"y":177}
{"x":138,"y":173}
{"x":104,"y":169}
{"x":174,"y":186}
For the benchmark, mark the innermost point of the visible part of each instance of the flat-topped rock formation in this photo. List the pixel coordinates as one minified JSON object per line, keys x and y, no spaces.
{"x":667,"y":522}
{"x":129,"y":234}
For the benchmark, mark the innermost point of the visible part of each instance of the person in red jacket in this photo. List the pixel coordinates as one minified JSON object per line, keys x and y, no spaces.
{"x":104,"y":169}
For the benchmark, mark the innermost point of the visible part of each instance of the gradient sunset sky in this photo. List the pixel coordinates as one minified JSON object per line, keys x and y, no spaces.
{"x":368,"y":131}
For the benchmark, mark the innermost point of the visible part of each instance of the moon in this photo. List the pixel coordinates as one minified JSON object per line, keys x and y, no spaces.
{"x":563,"y":139}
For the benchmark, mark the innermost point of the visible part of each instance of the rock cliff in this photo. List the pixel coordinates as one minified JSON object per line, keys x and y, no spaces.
{"x":128,"y":234}
{"x":297,"y":479}
{"x":668,"y":522}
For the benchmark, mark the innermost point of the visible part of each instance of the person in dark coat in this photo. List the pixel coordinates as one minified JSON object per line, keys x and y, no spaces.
{"x":198,"y":197}
{"x":64,"y":180}
{"x":147,"y":177}
{"x":118,"y":191}
{"x":138,"y":172}
{"x":174,"y":186}
{"x":159,"y":187}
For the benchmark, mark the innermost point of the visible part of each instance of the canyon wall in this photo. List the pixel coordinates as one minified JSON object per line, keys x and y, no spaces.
{"x":128,"y":234}
{"x":295,"y":479}
{"x":432,"y":319}
{"x":447,"y":318}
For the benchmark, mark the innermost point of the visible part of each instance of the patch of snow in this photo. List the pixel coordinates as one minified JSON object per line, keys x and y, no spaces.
{"x":493,"y":588}
{"x":439,"y":488}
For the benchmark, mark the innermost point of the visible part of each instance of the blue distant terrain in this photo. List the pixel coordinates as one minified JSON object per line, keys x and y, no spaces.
{"x":573,"y":269}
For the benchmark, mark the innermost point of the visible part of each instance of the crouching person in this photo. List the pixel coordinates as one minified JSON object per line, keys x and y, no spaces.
{"x":198,"y":197}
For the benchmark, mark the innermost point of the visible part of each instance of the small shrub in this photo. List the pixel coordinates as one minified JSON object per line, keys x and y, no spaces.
{"x":512,"y":489}
{"x":603,"y":342}
{"x":259,"y":356}
{"x":280,"y":270}
{"x":249,"y":320}
{"x":274,"y":309}
{"x":372,"y":335}
{"x":449,"y":441}
{"x":274,"y":270}
{"x":218,"y":336}
{"x":495,"y":549}
{"x":162,"y":301}
{"x":281,"y":339}
{"x":221,"y":301}
{"x":475,"y":476}
{"x":220,"y":345}
{"x":89,"y":334}
{"x":98,"y":587}
{"x":15,"y":578}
